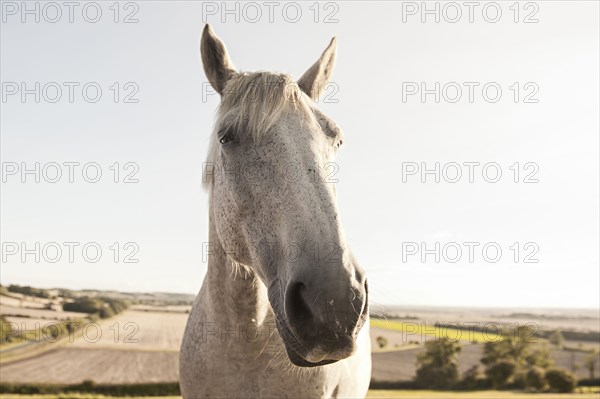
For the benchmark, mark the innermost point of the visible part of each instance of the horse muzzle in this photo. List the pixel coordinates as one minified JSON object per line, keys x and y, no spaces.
{"x":320,"y":327}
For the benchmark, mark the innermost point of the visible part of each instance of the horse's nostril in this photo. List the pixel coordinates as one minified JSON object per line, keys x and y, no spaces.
{"x":296,"y":307}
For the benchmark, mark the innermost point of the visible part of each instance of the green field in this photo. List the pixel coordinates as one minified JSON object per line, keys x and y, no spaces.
{"x":585,"y":393}
{"x":423,"y":329}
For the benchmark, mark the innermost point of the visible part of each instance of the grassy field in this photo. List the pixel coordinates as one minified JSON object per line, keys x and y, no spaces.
{"x":139,"y":330}
{"x":131,"y":347}
{"x":420,"y":330}
{"x":593,"y":393}
{"x":70,"y":365}
{"x":21,"y":301}
{"x":19,"y":306}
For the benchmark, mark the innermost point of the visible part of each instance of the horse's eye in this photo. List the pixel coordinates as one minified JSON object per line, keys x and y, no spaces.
{"x":226,"y":137}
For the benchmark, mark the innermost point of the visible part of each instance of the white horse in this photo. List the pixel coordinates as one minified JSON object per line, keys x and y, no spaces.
{"x":283,"y":310}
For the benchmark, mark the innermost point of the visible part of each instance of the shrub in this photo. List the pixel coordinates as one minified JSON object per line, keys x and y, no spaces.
{"x":561,"y":380}
{"x":500,"y":372}
{"x":517,"y":381}
{"x":432,"y":377}
{"x":106,"y":312}
{"x":54,"y":332}
{"x":535,"y":378}
{"x":6,"y":330}
{"x":382,"y":341}
{"x":471,"y":379}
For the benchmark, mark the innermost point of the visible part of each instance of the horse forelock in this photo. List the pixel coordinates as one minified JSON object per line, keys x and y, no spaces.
{"x":252,"y":103}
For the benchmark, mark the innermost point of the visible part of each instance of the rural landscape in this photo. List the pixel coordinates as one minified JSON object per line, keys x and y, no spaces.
{"x":89,"y":343}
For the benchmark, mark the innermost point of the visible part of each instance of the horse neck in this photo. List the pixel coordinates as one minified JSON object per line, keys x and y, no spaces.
{"x":234,"y":296}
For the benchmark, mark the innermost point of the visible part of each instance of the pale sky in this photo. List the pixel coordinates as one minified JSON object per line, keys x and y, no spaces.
{"x":552,"y":132}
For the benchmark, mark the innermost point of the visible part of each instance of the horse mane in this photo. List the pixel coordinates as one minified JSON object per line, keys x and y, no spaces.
{"x":251,"y":104}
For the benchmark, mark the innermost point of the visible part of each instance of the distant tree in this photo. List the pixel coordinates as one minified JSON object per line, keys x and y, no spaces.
{"x":574,"y":365}
{"x":590,"y":362}
{"x":382,"y":341}
{"x":557,"y":339}
{"x":71,"y":325}
{"x":103,"y":307}
{"x":513,"y":345}
{"x":83,"y":305}
{"x":437,"y":367}
{"x":538,"y":357}
{"x":26,"y":290}
{"x":509,"y":360}
{"x":561,"y":380}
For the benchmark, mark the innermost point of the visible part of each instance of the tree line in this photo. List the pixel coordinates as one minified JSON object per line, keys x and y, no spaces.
{"x":513,"y":362}
{"x":101,"y":306}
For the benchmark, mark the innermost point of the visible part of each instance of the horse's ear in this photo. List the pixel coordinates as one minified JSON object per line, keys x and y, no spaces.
{"x":217,"y":65}
{"x":316,"y":77}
